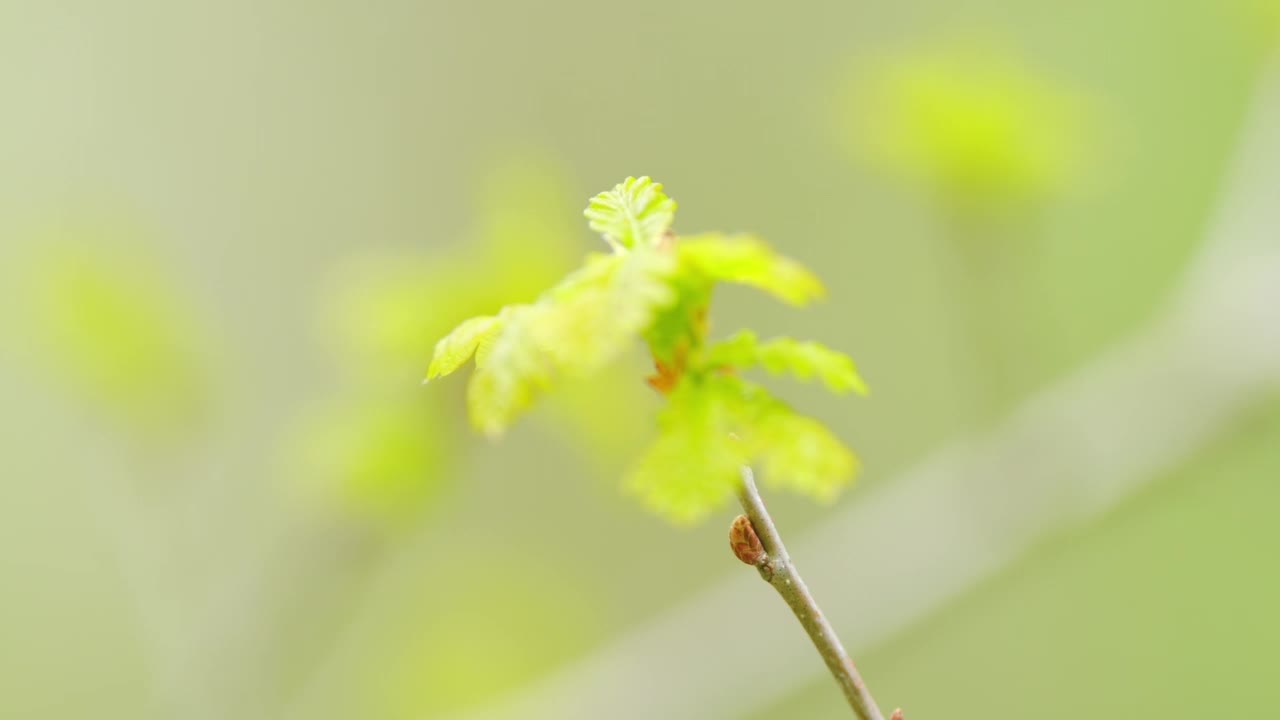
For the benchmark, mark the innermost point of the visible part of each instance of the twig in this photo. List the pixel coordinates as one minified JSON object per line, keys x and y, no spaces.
{"x":776,"y":568}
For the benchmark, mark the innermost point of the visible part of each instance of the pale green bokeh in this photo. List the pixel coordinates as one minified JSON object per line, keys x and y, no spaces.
{"x":459,"y":643}
{"x":970,"y":122}
{"x":104,"y":323}
{"x":381,"y":458}
{"x":1261,"y":18}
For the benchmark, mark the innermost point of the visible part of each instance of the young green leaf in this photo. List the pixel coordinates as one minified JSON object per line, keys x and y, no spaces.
{"x":460,"y":344}
{"x":634,"y":213}
{"x":596,"y":272}
{"x":512,"y":371}
{"x":711,"y":426}
{"x":693,"y":464}
{"x":747,"y":260}
{"x":741,"y":350}
{"x":809,"y":359}
{"x":594,"y":325}
{"x":575,"y":328}
{"x":804,"y":360}
{"x":799,"y":453}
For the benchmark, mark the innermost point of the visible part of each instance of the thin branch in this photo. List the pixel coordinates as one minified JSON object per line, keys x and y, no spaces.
{"x":776,"y":568}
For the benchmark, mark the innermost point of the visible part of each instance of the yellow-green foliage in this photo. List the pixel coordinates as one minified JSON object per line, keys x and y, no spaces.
{"x":632,"y":213}
{"x":656,"y":287}
{"x":712,"y":425}
{"x":804,"y":360}
{"x":747,"y":260}
{"x":437,"y":658}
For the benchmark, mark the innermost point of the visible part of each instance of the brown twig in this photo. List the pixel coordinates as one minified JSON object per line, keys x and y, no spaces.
{"x":776,"y":568}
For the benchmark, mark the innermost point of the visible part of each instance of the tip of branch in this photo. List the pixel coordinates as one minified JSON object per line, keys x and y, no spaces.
{"x":897,"y":714}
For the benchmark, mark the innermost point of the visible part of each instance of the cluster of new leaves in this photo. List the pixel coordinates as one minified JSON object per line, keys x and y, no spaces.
{"x":656,"y":286}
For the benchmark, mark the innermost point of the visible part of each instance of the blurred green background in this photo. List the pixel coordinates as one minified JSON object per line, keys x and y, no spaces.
{"x":231,"y":233}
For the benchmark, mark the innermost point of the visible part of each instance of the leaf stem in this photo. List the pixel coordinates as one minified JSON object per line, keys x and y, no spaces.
{"x":777,"y":569}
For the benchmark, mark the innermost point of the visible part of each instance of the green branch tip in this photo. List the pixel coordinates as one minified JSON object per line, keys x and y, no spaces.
{"x":655,"y":290}
{"x":634,"y":213}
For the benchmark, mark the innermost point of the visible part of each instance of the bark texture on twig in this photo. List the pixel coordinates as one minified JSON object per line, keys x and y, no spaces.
{"x":776,"y":568}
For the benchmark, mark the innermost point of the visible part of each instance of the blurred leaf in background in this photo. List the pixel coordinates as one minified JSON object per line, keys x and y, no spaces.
{"x":470,"y":633}
{"x":969,"y":122}
{"x":104,"y":322}
{"x":381,"y":458}
{"x":992,"y":143}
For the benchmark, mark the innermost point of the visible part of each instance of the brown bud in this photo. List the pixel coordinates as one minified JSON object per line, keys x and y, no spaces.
{"x":897,"y":714}
{"x":744,"y":541}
